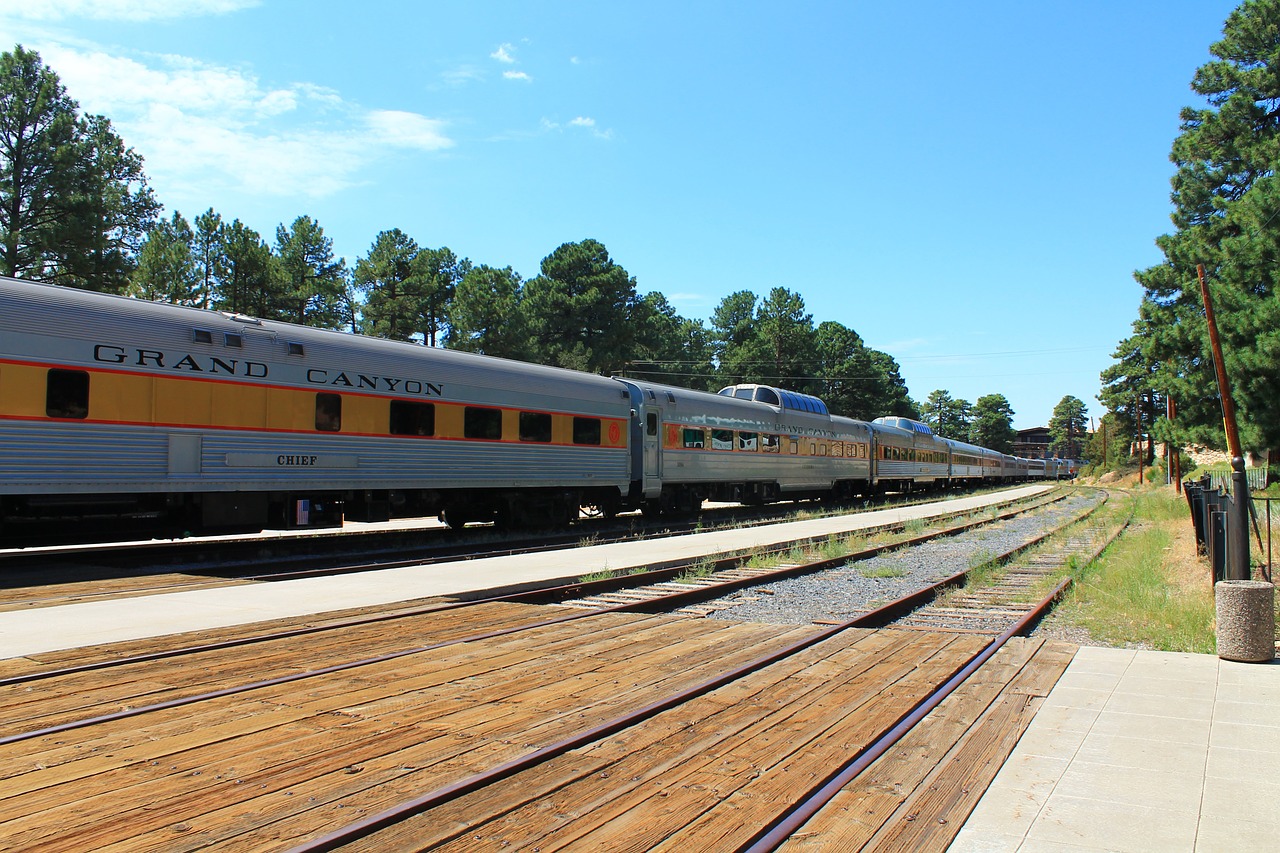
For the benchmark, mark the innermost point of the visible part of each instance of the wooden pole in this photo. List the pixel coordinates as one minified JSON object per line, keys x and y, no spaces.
{"x":1224,"y":385}
{"x":1142,"y":450}
{"x":1238,"y":536}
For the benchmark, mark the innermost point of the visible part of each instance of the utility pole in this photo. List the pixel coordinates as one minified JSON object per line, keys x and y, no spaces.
{"x":1142,"y":452}
{"x":1102,"y":424}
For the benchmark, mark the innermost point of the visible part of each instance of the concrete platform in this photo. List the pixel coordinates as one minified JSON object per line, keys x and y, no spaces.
{"x":90,"y":623}
{"x":1141,"y":751}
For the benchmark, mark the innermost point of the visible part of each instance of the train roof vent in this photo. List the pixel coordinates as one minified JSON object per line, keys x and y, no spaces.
{"x":241,"y":318}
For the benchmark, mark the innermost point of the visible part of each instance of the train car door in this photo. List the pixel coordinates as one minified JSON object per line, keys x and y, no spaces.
{"x":652,"y":443}
{"x":646,"y":440}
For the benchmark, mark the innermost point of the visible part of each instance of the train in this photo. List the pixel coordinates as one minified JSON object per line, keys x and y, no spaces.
{"x":118,"y":412}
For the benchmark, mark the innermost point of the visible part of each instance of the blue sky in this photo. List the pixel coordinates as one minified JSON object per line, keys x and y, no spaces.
{"x":968,"y":186}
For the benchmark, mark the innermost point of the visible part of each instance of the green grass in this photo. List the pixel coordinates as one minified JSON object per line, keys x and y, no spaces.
{"x":1144,"y":591}
{"x":883,"y":572}
{"x":833,"y":548}
{"x":700,"y":569}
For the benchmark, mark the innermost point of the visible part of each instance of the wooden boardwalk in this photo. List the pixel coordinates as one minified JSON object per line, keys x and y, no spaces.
{"x":273,"y":767}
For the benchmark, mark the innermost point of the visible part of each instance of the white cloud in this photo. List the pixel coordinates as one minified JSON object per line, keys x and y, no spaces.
{"x":517,"y":75}
{"x":504,"y":54}
{"x":546,"y":125}
{"x":201,"y":126}
{"x":407,"y":130}
{"x":462,"y":75}
{"x":118,"y":10}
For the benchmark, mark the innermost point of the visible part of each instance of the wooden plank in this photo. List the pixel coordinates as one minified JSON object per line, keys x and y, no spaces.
{"x":470,"y":754}
{"x":930,"y":819}
{"x":941,"y":765}
{"x":863,"y":806}
{"x":646,"y":786}
{"x":115,"y":786}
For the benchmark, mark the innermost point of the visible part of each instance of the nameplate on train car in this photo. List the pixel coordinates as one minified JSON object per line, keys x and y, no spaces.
{"x":291,"y":460}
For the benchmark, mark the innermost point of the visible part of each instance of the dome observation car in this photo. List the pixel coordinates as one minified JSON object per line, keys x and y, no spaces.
{"x":776,"y":397}
{"x":905,"y":423}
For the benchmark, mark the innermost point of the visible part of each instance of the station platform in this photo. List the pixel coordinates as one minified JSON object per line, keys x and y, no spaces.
{"x":91,"y":623}
{"x":1141,"y":751}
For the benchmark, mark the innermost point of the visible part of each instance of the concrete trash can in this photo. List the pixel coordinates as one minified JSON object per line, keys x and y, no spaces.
{"x":1246,"y":620}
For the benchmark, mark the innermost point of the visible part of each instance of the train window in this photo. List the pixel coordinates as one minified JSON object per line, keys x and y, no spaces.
{"x":795,"y":447}
{"x":586,"y":430}
{"x":822,"y":449}
{"x":722,"y":439}
{"x":201,"y":336}
{"x":693,"y":438}
{"x":328,"y":412}
{"x":743,"y":393}
{"x":651,"y":423}
{"x":480,"y":422}
{"x":67,"y":394}
{"x":296,"y":348}
{"x":535,"y":426}
{"x":768,"y":395}
{"x":769,"y":443}
{"x":410,"y":418}
{"x":747,"y":441}
{"x":233,"y":340}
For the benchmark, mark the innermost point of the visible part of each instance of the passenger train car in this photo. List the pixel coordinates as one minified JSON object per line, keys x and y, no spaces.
{"x":193,"y":420}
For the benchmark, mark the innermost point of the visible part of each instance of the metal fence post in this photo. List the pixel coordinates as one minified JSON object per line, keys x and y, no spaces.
{"x":1217,"y":544}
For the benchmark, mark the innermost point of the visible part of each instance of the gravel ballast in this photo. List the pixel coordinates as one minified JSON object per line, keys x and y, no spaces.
{"x":843,"y":593}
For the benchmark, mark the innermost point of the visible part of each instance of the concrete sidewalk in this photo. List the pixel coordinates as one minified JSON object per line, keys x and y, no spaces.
{"x":1141,"y":751}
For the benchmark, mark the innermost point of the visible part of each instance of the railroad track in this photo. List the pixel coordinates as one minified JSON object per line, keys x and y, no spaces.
{"x":987,"y":608}
{"x":52,"y":577}
{"x":705,"y":592}
{"x":543,"y":702}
